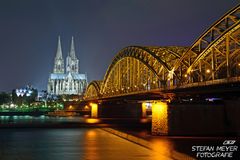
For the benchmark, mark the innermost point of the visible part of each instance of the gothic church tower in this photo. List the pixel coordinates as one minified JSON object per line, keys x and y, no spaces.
{"x":66,"y":81}
{"x":71,"y":60}
{"x":58,"y":61}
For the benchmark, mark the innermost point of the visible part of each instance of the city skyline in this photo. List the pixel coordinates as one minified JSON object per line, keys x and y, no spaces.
{"x":101,"y":29}
{"x":162,"y":82}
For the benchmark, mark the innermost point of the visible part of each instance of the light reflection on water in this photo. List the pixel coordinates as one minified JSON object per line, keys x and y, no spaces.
{"x":65,"y":144}
{"x":19,"y":119}
{"x":86,"y":143}
{"x":92,"y":120}
{"x":69,"y":144}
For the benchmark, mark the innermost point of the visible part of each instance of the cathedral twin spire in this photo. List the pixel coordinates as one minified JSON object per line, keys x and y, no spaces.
{"x":59,"y":49}
{"x":59,"y":62}
{"x":71,"y":60}
{"x":72,"y":50}
{"x":65,"y":79}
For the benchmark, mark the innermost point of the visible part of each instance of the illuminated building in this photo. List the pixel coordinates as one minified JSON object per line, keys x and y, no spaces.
{"x":26,"y":91}
{"x":69,"y":81}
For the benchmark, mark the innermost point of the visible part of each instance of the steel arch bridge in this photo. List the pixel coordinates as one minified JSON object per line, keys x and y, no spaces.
{"x":214,"y":58}
{"x":93,"y":90}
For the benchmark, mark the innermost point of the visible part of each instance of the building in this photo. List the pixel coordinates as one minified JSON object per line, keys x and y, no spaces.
{"x":25,"y":91}
{"x":69,"y":81}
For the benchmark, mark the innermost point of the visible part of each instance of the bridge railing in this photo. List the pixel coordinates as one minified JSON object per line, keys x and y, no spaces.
{"x":211,"y":82}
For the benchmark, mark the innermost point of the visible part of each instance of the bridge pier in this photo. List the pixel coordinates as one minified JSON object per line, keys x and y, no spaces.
{"x":144,"y":109}
{"x":135,"y":110}
{"x":159,"y":118}
{"x":94,"y":110}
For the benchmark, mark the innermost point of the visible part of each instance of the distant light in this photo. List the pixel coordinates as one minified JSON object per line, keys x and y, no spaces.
{"x":208,"y":71}
{"x":12,"y":105}
{"x":70,"y":107}
{"x":144,"y":120}
{"x":18,"y":93}
{"x":148,"y":104}
{"x":86,"y":107}
{"x":213,"y":99}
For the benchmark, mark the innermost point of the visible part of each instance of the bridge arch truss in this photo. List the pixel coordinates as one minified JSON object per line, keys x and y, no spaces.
{"x":215,"y":54}
{"x":213,"y":58}
{"x":93,"y":90}
{"x":136,"y":69}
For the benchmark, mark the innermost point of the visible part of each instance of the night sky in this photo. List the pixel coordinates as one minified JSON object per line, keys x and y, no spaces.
{"x":29,"y":30}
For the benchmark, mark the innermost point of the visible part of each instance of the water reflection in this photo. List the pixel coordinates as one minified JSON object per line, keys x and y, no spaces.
{"x":92,"y":120}
{"x":90,"y":143}
{"x":81,"y":143}
{"x":69,"y":144}
{"x":162,"y":147}
{"x":26,"y":119}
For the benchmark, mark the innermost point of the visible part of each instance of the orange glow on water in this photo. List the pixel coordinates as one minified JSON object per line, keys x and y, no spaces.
{"x":92,"y":120}
{"x":162,"y":146}
{"x":91,"y":133}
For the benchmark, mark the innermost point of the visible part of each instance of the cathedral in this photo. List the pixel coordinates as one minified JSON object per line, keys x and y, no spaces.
{"x":69,"y":81}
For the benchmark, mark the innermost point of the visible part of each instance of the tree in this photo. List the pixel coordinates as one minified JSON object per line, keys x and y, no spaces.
{"x":4,"y":98}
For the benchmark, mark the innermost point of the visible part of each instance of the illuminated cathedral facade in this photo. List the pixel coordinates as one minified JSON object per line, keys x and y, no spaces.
{"x":66,"y":80}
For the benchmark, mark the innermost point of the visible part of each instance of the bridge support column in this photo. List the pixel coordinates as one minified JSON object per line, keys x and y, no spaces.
{"x":159,"y":118}
{"x":94,"y":110}
{"x":144,"y":109}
